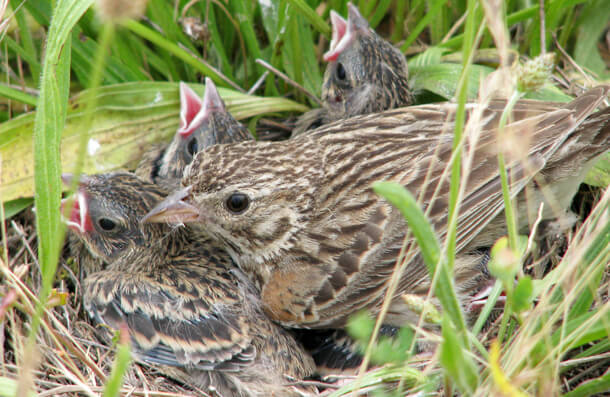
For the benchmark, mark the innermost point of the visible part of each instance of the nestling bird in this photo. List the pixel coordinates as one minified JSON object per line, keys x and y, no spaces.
{"x":188,"y":308}
{"x":300,"y":216}
{"x":365,"y":74}
{"x":203,"y":122}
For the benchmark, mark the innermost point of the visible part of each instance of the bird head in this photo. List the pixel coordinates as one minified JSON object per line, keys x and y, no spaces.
{"x":203,"y":122}
{"x":360,"y":66}
{"x":106,"y":212}
{"x":253,"y":197}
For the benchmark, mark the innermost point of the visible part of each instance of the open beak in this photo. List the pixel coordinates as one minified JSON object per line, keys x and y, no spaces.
{"x":174,"y":209}
{"x":78,"y":220}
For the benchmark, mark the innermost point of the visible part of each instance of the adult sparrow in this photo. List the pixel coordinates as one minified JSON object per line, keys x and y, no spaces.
{"x":301,"y":219}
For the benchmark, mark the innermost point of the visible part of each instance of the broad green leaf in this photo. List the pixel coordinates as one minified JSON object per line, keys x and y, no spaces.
{"x":549,"y":93}
{"x":600,"y":173}
{"x":442,"y":79}
{"x":591,"y":387}
{"x":13,"y":207}
{"x":128,"y":119}
{"x":432,"y":56}
{"x":594,"y":21}
{"x":360,"y":326}
{"x":523,"y":294}
{"x":581,"y":330}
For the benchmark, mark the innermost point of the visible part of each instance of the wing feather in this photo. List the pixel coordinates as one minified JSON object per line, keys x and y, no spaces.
{"x":169,"y":324}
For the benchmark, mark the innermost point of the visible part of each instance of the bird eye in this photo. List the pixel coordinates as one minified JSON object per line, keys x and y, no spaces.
{"x":340,"y":71}
{"x":192,"y":146}
{"x":106,"y":224}
{"x":237,"y":203}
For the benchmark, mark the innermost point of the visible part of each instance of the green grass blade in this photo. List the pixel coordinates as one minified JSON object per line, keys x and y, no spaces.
{"x":48,"y":125}
{"x":175,"y":50}
{"x":18,"y":50}
{"x":17,"y":95}
{"x":423,"y":23}
{"x":245,"y":19}
{"x":316,"y":21}
{"x":399,"y":197}
{"x":27,"y":41}
{"x":598,"y":250}
{"x":8,"y":388}
{"x":429,"y":246}
{"x":592,"y":24}
{"x":593,"y":387}
{"x":119,"y":368}
{"x":380,"y":11}
{"x":456,"y":360}
{"x":472,"y":21}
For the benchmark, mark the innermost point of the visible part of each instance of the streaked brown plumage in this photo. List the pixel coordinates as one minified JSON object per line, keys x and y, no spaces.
{"x":365,"y":74}
{"x":301,"y":218}
{"x":203,"y":123}
{"x":188,"y":308}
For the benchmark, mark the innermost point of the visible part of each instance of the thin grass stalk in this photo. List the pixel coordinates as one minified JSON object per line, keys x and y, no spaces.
{"x":13,"y":46}
{"x":245,"y":19}
{"x":514,"y":18}
{"x":422,"y":24}
{"x":399,"y":20}
{"x":460,"y":118}
{"x":511,"y":222}
{"x":180,"y":53}
{"x":120,"y":366}
{"x":27,"y":41}
{"x":539,"y":329}
{"x":380,"y":11}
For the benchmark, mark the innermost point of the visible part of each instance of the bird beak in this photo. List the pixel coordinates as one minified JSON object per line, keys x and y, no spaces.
{"x":174,"y":209}
{"x":78,"y":219}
